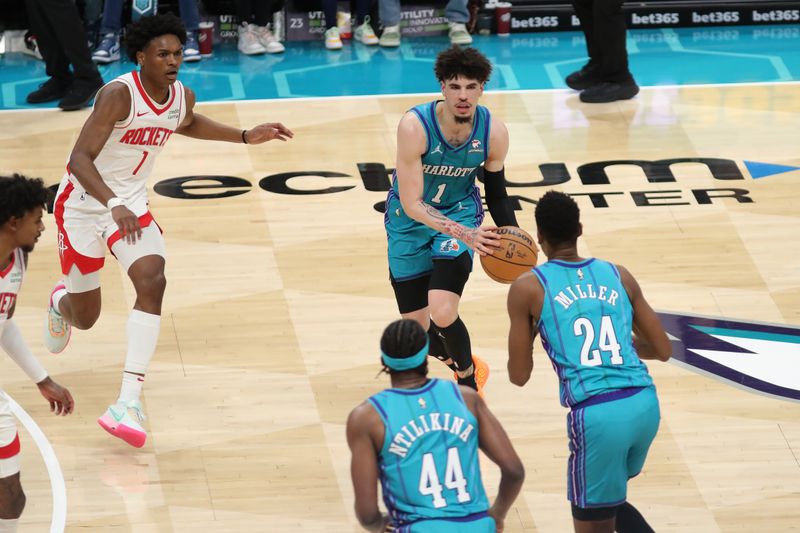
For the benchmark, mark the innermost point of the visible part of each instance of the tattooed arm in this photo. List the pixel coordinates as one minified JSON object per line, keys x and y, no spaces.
{"x":411,"y":144}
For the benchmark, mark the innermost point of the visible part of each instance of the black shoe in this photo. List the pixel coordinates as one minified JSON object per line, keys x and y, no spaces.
{"x":51,"y":90}
{"x":80,"y":94}
{"x":609,"y":92}
{"x":583,"y":78}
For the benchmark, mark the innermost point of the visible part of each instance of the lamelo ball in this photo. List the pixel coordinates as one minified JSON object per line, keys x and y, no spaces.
{"x":515,"y":255}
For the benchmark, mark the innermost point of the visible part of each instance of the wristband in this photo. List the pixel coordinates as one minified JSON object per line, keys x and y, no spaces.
{"x":114,"y":201}
{"x":244,"y":137}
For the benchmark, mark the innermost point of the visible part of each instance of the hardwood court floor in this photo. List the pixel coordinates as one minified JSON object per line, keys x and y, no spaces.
{"x":275,"y":304}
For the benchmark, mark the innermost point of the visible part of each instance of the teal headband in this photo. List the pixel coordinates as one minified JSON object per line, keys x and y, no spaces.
{"x":406,"y":363}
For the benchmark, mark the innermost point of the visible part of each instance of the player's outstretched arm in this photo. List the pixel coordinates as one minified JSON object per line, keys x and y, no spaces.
{"x":411,"y":145}
{"x":650,"y":339}
{"x":524,"y":295}
{"x":364,"y":467}
{"x":494,"y":442}
{"x":199,"y":126}
{"x":494,"y":177}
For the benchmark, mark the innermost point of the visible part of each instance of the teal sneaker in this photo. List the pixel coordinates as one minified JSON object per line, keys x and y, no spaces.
{"x":118,"y":421}
{"x":57,"y":331}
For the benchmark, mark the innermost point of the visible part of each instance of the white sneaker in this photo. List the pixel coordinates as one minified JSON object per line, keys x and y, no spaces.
{"x":57,"y":331}
{"x":268,"y":40}
{"x":365,"y":34}
{"x":118,"y":422}
{"x":390,"y":38}
{"x":333,"y":41}
{"x":458,"y":34}
{"x":108,"y":49}
{"x":248,"y":41}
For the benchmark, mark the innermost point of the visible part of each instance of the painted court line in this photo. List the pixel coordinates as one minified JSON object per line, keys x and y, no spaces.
{"x":57,"y":485}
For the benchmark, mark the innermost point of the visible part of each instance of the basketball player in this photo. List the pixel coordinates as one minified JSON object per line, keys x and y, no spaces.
{"x":596,"y":327}
{"x":421,"y":438}
{"x":102,"y":201}
{"x":21,"y":203}
{"x":434,"y":211}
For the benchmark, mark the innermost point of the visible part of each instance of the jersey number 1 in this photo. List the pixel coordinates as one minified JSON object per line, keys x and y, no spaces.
{"x":439,"y":192}
{"x":453,"y":479}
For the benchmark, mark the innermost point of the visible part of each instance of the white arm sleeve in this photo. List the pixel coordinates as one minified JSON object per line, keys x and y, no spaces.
{"x":14,"y":345}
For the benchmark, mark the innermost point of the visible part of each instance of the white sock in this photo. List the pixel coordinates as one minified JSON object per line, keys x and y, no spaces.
{"x":8,"y":525}
{"x":57,"y":296}
{"x":142,"y":331}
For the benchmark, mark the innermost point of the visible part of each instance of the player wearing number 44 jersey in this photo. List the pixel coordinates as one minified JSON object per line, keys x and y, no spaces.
{"x":102,"y":202}
{"x":596,"y":326}
{"x":420,"y":438}
{"x":434,"y":210}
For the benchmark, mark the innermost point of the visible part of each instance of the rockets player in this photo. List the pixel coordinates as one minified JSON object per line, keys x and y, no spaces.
{"x":102,"y":202}
{"x":21,"y":203}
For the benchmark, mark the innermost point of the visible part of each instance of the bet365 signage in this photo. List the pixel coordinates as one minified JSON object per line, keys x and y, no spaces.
{"x":593,"y":180}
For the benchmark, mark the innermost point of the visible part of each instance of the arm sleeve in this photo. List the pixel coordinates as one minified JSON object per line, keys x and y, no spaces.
{"x":497,"y":200}
{"x":14,"y":345}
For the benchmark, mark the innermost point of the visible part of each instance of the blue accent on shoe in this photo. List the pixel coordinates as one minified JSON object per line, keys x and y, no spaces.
{"x":108,"y":49}
{"x":191,"y":50}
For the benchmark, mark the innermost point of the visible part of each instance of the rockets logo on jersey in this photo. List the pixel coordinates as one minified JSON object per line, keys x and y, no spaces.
{"x":148,"y":136}
{"x":7,"y":301}
{"x":10,"y":284}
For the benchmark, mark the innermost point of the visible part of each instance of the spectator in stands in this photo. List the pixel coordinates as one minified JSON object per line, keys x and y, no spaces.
{"x":456,"y":12}
{"x":364,"y":32}
{"x":255,"y":34}
{"x":605,"y":78}
{"x":108,"y":49}
{"x":61,"y":39}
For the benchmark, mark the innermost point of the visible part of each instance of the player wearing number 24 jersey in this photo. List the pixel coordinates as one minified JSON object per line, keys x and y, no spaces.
{"x":596,"y":327}
{"x":420,"y":439}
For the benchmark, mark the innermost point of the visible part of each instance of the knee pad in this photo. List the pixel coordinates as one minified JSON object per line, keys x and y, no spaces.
{"x":412,"y":294}
{"x":451,"y":274}
{"x":594,"y":513}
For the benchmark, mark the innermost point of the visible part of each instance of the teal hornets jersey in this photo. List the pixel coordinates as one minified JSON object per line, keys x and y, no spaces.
{"x":586,"y":328}
{"x":449,"y":171}
{"x":429,"y":461}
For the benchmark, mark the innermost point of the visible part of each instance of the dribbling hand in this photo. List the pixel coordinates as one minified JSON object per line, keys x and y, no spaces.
{"x":61,"y":402}
{"x":484,"y":240}
{"x":128,"y":224}
{"x":267,"y":132}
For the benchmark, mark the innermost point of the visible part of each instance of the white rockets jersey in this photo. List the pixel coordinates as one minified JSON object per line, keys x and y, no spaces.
{"x":127,"y":158}
{"x":10,"y":283}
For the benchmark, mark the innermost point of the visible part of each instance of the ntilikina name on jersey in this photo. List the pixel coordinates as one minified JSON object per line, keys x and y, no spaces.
{"x":411,"y":430}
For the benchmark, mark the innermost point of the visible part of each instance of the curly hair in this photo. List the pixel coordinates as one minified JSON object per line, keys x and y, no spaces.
{"x":558,"y":218}
{"x":139,"y":34}
{"x":468,"y":62}
{"x":404,"y":338}
{"x":19,"y":195}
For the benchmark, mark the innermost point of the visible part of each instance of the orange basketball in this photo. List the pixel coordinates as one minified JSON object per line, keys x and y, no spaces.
{"x":516,"y":255}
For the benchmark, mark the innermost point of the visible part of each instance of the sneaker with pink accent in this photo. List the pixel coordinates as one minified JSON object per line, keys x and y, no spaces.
{"x":118,"y":421}
{"x":57,"y":331}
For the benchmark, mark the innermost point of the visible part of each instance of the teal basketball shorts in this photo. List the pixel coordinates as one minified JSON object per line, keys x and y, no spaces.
{"x":608,"y":444}
{"x":413,"y":246}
